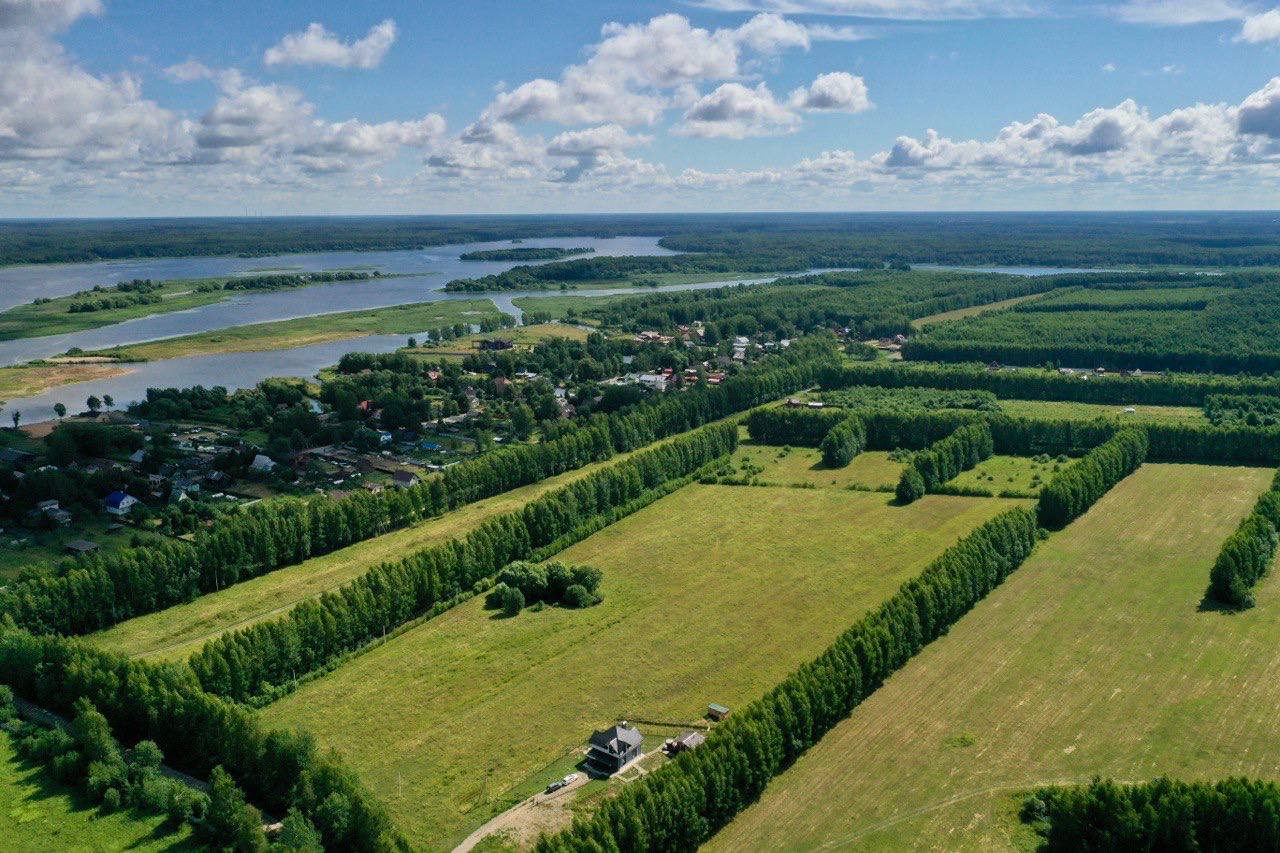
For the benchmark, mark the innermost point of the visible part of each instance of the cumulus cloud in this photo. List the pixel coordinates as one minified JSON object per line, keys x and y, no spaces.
{"x":837,"y":91}
{"x":317,"y":46}
{"x":638,"y":71}
{"x":1260,"y":28}
{"x":48,"y":15}
{"x":734,"y":111}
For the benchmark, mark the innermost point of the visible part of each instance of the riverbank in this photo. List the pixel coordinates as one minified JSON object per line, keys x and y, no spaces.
{"x":32,"y":379}
{"x":93,"y":309}
{"x":306,"y":331}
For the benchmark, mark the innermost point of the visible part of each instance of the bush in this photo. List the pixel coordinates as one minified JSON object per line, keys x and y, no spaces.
{"x":910,"y":486}
{"x":577,"y":596}
{"x":845,"y":440}
{"x":512,"y":601}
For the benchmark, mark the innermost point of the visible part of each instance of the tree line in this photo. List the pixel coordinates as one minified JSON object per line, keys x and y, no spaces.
{"x":198,"y":732}
{"x":843,"y":442}
{"x":103,"y":590}
{"x":255,"y":661}
{"x":943,"y":461}
{"x":1164,"y":814}
{"x":1247,"y":554}
{"x":1036,"y":384}
{"x":1073,"y":490}
{"x":682,"y":804}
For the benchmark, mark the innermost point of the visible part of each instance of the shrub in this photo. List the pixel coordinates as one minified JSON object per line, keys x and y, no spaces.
{"x":910,"y":486}
{"x":512,"y":601}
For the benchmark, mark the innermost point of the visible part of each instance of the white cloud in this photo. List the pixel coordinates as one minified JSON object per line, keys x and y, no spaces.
{"x":47,"y":15}
{"x":736,"y":112}
{"x":1262,"y":27}
{"x":1109,"y":68}
{"x":902,"y":10}
{"x":1179,"y":12}
{"x":638,"y":71}
{"x":317,"y":46}
{"x":837,"y":91}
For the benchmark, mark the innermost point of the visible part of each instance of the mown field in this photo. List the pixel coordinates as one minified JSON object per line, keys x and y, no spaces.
{"x":1009,"y":473}
{"x":972,"y":311}
{"x":287,"y":334}
{"x":1089,"y":411}
{"x":1093,"y":658}
{"x":789,"y":466}
{"x":38,"y":815}
{"x":711,"y":594}
{"x":31,"y":379}
{"x":179,"y":631}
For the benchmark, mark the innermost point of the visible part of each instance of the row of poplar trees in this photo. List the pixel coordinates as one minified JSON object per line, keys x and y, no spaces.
{"x":104,"y":590}
{"x":1247,"y":554}
{"x":944,"y":460}
{"x":249,"y":663}
{"x":684,"y":803}
{"x":1073,"y":490}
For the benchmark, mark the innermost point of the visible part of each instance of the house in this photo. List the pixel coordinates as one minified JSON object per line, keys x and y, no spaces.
{"x":118,"y":503}
{"x":384,"y":437}
{"x":59,"y":516}
{"x":138,"y":457}
{"x":717,"y":712}
{"x":81,"y":547}
{"x":612,"y":749}
{"x":373,"y":488}
{"x":262,"y":464}
{"x":48,"y":506}
{"x":16,"y":459}
{"x":686,"y":741}
{"x":404,"y":479}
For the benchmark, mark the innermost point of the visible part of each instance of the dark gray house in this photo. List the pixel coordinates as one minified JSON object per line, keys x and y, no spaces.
{"x":613,"y":748}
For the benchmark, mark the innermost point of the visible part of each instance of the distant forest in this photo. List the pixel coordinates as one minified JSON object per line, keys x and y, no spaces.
{"x":1067,"y":239}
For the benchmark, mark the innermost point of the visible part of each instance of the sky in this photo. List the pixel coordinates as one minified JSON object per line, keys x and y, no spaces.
{"x":143,"y":108}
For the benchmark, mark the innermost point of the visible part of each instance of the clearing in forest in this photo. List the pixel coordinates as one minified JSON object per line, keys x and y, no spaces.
{"x":1093,"y":658}
{"x":712,"y":594}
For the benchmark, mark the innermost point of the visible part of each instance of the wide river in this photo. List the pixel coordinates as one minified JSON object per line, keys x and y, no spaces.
{"x":420,"y":277}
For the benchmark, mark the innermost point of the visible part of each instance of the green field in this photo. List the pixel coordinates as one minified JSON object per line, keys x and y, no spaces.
{"x":43,"y":550}
{"x":707,"y":597}
{"x":179,"y":631}
{"x":560,"y":307}
{"x":288,"y":334}
{"x":972,"y":310}
{"x":30,"y":379}
{"x":1009,"y":473}
{"x":1093,"y":658}
{"x":38,"y":815}
{"x":521,"y":336}
{"x":1089,"y":411}
{"x":783,"y":466}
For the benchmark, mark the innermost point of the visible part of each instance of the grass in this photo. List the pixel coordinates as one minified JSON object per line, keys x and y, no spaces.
{"x":564,"y":307}
{"x":1093,"y":658}
{"x":178,"y":631}
{"x":781,"y":466}
{"x":521,"y":336}
{"x":711,"y":594}
{"x":43,"y":550}
{"x":37,"y":814}
{"x":971,"y":311}
{"x":1009,"y":473}
{"x":304,"y":331}
{"x":29,"y":380}
{"x":1089,"y":411}
{"x":52,"y":318}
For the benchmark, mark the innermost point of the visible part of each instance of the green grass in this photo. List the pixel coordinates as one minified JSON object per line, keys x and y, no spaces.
{"x":712,"y":594}
{"x":287,"y":334}
{"x":1089,"y":411}
{"x":42,"y":550}
{"x":1093,"y":658}
{"x":972,"y":310}
{"x":52,"y":318}
{"x":781,"y":466}
{"x":562,"y":307}
{"x":1009,"y":473}
{"x":521,"y":336}
{"x":29,"y":380}
{"x":37,"y":815}
{"x":177,"y":632}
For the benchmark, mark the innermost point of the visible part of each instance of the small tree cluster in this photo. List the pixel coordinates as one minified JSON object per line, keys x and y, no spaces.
{"x":87,"y":756}
{"x":929,"y":469}
{"x":845,"y":441}
{"x":1247,"y":554}
{"x":1075,"y":489}
{"x":522,"y":583}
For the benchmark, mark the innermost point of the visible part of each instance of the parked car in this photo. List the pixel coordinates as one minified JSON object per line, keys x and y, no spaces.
{"x":562,"y":783}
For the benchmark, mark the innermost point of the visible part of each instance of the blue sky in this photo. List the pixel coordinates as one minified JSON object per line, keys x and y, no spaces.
{"x":127,"y":107}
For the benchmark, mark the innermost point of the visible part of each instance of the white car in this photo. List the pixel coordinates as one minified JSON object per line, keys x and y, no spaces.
{"x":562,"y":783}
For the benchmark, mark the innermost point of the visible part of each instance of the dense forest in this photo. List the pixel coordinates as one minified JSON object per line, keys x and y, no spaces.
{"x":1066,"y":239}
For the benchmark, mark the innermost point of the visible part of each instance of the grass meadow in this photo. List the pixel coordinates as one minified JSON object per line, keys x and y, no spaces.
{"x":1093,"y":658}
{"x":712,"y":594}
{"x":791,"y":466}
{"x":38,"y":815}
